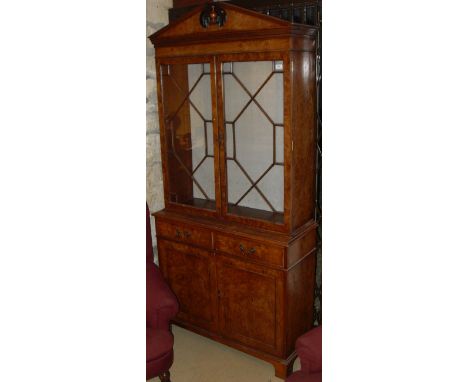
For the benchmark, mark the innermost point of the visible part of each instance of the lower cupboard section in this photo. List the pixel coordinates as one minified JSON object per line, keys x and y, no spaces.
{"x":243,"y":300}
{"x":230,"y":297}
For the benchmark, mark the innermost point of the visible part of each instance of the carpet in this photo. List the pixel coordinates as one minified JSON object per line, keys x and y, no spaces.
{"x":199,"y":359}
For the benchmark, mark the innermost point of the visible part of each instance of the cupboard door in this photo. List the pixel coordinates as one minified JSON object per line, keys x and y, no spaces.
{"x":190,"y":273}
{"x":188,"y":132}
{"x":250,"y":304}
{"x":253,"y":116}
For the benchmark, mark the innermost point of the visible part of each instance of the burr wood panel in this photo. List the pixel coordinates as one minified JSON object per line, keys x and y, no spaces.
{"x":190,"y":273}
{"x":255,"y":251}
{"x":184,"y":233}
{"x":249,"y":307}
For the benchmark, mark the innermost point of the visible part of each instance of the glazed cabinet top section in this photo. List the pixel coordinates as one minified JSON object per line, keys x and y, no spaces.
{"x":236,"y":101}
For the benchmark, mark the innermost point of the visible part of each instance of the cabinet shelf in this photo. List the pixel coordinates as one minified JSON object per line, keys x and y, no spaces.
{"x":205,"y":204}
{"x":253,"y":213}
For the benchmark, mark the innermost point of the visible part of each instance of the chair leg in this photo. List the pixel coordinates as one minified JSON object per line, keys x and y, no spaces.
{"x":165,"y":377}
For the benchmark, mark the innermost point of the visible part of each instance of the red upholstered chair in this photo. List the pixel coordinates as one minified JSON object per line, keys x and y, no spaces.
{"x":309,"y":351}
{"x":161,"y":307}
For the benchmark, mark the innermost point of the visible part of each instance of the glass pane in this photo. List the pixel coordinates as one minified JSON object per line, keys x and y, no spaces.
{"x":279,"y":144}
{"x":186,"y":94}
{"x":254,"y":117}
{"x":229,"y":141}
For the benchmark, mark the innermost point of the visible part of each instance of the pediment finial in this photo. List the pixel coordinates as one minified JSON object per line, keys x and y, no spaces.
{"x":212,"y":14}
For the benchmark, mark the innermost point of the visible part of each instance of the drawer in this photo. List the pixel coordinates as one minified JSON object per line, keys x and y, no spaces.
{"x":184,"y":233}
{"x":266,"y":253}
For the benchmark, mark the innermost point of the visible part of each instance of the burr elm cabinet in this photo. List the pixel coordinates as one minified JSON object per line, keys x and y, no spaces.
{"x":237,"y":238}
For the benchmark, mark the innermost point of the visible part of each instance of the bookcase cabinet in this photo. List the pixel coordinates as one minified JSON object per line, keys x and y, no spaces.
{"x":237,"y":237}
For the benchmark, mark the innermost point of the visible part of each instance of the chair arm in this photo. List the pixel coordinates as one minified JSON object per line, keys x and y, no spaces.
{"x":309,"y":350}
{"x":161,"y":303}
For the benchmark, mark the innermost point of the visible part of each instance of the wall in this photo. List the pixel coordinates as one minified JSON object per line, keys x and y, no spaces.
{"x":156,"y":18}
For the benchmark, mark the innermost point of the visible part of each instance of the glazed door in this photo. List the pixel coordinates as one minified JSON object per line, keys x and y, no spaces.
{"x":187,"y":106}
{"x":253,"y":126}
{"x":190,"y":273}
{"x":250,"y":304}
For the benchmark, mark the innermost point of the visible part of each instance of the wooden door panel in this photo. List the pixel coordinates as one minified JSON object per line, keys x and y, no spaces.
{"x":190,"y":273}
{"x":249,"y":305}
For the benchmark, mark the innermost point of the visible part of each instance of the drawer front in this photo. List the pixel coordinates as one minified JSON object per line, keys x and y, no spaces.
{"x":249,"y":249}
{"x":184,"y":233}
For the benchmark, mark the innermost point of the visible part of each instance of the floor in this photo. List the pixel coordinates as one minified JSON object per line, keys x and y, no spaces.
{"x":199,"y":359}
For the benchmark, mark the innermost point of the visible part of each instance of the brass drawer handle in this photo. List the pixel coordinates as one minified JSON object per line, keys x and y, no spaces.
{"x":251,"y":251}
{"x":179,"y":234}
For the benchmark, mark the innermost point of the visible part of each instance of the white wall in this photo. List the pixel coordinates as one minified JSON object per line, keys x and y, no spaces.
{"x":156,"y":18}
